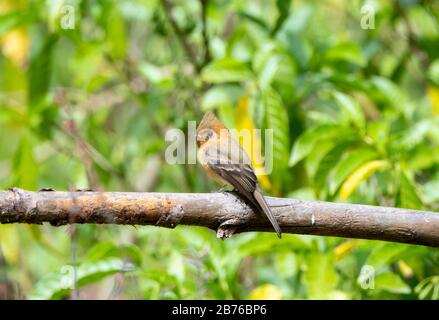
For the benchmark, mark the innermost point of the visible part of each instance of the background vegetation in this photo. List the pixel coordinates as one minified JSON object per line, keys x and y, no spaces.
{"x":355,"y":114}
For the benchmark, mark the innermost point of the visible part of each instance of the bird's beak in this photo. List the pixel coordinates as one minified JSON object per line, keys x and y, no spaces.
{"x":200,"y":139}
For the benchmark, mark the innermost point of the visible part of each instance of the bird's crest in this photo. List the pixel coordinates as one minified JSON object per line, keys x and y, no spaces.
{"x":210,"y":121}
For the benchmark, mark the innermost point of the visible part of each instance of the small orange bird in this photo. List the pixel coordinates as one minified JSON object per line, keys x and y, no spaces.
{"x":227,"y":162}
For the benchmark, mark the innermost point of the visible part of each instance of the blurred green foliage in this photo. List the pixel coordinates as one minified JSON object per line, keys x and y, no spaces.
{"x":89,"y":88}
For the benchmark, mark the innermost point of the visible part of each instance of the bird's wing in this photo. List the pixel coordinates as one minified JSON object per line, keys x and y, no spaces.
{"x":243,"y":178}
{"x":240,"y":175}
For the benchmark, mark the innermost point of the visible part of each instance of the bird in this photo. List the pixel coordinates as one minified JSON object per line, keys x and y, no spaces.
{"x":225,"y":160}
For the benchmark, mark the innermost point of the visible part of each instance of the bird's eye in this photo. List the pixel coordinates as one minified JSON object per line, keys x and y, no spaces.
{"x":209,"y":134}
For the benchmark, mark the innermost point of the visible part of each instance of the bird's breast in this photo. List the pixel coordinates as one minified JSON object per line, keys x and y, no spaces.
{"x":202,"y":158}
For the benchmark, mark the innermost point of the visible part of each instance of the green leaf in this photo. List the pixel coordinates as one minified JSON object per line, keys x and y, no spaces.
{"x":102,"y":251}
{"x":388,"y":92}
{"x":428,"y":288}
{"x":384,"y":254}
{"x":11,"y":116}
{"x":298,"y":46}
{"x":413,"y":135}
{"x":268,"y":71}
{"x":391,"y":282}
{"x":93,"y":272}
{"x":351,"y":161}
{"x":283,"y":9}
{"x":306,"y":142}
{"x":226,"y":70}
{"x":58,"y":285}
{"x":277,"y":119}
{"x":116,"y":34}
{"x":351,"y":109}
{"x":320,"y":277}
{"x":265,"y":243}
{"x":163,"y":76}
{"x":433,"y":72}
{"x":106,"y":250}
{"x":328,"y":162}
{"x":299,"y":19}
{"x":316,"y":155}
{"x":39,"y":76}
{"x":254,"y":19}
{"x":430,"y":190}
{"x":275,"y":67}
{"x":176,"y":266}
{"x":292,"y":35}
{"x":426,"y":21}
{"x":221,"y":95}
{"x":10,"y":244}
{"x":407,"y":196}
{"x":25,"y":167}
{"x":348,"y":51}
{"x":15,"y":19}
{"x":50,"y":287}
{"x":303,"y":194}
{"x":286,"y":264}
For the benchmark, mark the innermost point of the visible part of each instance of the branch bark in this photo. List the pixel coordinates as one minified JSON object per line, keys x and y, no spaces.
{"x":223,"y":212}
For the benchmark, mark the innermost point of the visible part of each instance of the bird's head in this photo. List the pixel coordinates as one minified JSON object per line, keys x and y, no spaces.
{"x":204,"y":135}
{"x":209,"y":128}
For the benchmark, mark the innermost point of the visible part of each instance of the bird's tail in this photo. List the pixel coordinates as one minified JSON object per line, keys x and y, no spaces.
{"x":266,"y":209}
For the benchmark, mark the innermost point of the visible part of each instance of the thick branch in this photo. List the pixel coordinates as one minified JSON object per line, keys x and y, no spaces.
{"x":219,"y":211}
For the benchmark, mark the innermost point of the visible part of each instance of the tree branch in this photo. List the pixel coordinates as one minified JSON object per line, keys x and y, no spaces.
{"x":207,"y":56}
{"x":411,"y":36}
{"x":219,"y":211}
{"x":188,"y":48}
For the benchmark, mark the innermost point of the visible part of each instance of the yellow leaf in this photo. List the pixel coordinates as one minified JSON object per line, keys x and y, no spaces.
{"x":42,"y":240}
{"x":14,"y":44}
{"x":6,"y":6}
{"x":10,"y":243}
{"x":433,"y":94}
{"x":345,"y":248}
{"x":266,"y":292}
{"x":338,"y":295}
{"x":252,"y":144}
{"x":405,"y":269}
{"x":359,"y":175}
{"x":10,"y":5}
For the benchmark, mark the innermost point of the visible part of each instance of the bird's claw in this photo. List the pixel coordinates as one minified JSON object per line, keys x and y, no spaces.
{"x":225,"y":232}
{"x":225,"y":189}
{"x":46,"y":189}
{"x":228,"y":228}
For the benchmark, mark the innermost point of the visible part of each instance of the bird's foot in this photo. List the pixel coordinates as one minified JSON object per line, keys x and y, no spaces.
{"x":224,"y":190}
{"x":228,"y":228}
{"x":46,"y":189}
